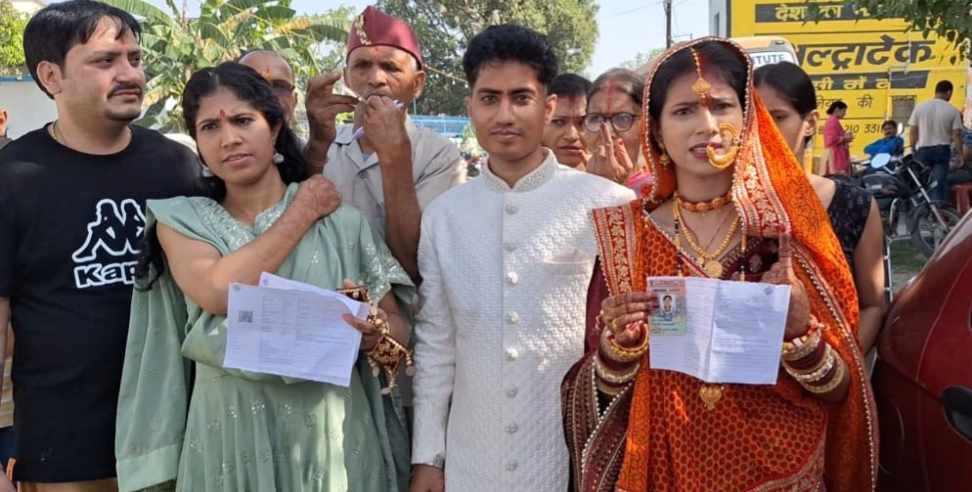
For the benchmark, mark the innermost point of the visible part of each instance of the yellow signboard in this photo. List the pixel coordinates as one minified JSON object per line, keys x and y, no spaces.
{"x":877,"y":67}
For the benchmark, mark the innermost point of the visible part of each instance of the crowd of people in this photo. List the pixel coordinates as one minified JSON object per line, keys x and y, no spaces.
{"x":522,"y":292}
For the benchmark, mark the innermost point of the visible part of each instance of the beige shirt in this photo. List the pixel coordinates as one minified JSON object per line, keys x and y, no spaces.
{"x":436,"y":167}
{"x":936,"y":120}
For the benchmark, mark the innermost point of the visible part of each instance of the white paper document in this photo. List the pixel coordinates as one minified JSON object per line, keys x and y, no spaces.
{"x":292,"y":329}
{"x":733,"y":331}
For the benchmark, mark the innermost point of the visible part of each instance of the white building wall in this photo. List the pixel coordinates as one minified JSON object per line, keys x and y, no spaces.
{"x":27,"y":107}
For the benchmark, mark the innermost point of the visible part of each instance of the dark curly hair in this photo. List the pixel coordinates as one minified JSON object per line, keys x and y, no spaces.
{"x":510,"y":42}
{"x":248,"y":86}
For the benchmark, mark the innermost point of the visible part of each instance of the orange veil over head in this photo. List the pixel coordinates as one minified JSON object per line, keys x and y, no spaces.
{"x":774,"y":199}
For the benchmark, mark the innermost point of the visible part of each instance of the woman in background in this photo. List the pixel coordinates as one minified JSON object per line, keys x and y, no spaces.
{"x":837,"y":140}
{"x":184,"y":420}
{"x":612,"y":127}
{"x":791,"y":100}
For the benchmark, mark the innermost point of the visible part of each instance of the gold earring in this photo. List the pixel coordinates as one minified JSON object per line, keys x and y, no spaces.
{"x":664,"y":160}
{"x":728,"y":133}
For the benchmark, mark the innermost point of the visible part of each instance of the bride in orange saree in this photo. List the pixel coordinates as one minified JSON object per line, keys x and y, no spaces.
{"x":730,"y":202}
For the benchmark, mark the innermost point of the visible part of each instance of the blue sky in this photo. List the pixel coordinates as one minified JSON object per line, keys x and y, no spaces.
{"x":627,"y":27}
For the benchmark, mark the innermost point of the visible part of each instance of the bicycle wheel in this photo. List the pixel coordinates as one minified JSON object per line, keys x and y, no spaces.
{"x":926,"y":231}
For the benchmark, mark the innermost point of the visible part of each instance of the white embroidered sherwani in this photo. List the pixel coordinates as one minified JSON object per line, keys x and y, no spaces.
{"x":504,"y":280}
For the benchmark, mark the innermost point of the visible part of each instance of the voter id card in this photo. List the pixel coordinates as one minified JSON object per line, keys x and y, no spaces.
{"x":670,"y":318}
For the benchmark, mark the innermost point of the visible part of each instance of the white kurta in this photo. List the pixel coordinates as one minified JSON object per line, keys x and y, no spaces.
{"x":504,"y":280}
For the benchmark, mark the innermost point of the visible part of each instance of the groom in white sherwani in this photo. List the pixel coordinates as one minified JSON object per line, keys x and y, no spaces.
{"x":505,"y":260}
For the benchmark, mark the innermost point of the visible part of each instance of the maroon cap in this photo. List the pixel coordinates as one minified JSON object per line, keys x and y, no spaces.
{"x":376,"y":28}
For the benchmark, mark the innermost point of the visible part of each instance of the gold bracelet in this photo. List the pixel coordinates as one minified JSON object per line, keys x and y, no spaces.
{"x":614,"y":377}
{"x":802,"y":345}
{"x":818,"y":372}
{"x":833,"y":383}
{"x":617,"y":353}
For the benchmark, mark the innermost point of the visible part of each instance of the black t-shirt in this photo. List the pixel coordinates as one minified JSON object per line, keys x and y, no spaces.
{"x":70,"y":226}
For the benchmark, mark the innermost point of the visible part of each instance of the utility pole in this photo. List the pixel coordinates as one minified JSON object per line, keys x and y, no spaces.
{"x":668,"y":23}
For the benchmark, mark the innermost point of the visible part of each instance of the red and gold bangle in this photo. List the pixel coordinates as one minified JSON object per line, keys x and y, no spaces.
{"x":810,"y":361}
{"x":835,"y":381}
{"x":803,"y":345}
{"x":817,"y":373}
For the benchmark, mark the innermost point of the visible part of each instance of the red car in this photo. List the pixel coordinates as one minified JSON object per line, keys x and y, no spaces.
{"x":923,"y":376}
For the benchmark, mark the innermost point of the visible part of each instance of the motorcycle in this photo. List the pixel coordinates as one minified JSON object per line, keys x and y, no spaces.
{"x":900,"y":187}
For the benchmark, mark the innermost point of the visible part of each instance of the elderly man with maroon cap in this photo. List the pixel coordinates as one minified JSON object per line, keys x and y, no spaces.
{"x":382,"y":164}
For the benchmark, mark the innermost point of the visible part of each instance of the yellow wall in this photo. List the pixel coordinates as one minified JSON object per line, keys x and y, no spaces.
{"x":872,"y":65}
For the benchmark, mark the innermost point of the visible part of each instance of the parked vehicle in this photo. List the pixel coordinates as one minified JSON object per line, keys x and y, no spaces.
{"x":900,"y":186}
{"x":923,"y":375}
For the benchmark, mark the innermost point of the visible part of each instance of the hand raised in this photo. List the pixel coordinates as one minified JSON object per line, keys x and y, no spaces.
{"x":383,"y":123}
{"x":323,"y":106}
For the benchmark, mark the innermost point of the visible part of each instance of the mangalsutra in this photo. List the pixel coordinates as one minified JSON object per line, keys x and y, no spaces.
{"x":710,"y":261}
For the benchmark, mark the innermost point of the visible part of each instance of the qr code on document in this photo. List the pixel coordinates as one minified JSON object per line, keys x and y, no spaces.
{"x":245,"y":317}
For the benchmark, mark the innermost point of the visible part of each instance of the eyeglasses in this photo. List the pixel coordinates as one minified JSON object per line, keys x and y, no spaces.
{"x":620,"y":122}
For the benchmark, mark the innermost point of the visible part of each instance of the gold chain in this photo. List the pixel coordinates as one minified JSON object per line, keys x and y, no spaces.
{"x":692,"y":241}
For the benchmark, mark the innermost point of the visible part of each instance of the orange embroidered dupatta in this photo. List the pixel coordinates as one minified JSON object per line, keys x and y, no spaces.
{"x":774,"y":200}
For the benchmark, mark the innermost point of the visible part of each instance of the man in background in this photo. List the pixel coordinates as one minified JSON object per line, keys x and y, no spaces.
{"x":382,"y":164}
{"x":563,"y":134}
{"x":279,"y":74}
{"x":936,"y":136}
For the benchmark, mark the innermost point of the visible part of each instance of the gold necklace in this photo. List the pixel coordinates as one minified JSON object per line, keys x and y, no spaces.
{"x":709,"y":261}
{"x":718,"y":228}
{"x":704,"y":207}
{"x":710,"y":394}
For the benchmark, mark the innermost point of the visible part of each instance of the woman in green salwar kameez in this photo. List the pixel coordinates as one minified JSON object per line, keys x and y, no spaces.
{"x":187,"y":423}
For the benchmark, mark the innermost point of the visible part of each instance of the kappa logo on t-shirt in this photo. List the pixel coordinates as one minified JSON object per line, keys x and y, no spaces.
{"x":108,"y":252}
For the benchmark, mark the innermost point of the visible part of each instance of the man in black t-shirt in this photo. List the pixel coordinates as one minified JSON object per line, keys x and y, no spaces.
{"x":72,"y":196}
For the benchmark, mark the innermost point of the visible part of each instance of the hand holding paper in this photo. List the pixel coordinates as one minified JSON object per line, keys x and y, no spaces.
{"x":718,"y":331}
{"x":624,"y":311}
{"x":292,"y":329}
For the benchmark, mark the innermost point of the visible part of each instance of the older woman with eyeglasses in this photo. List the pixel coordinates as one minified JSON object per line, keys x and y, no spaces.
{"x":611,"y":128}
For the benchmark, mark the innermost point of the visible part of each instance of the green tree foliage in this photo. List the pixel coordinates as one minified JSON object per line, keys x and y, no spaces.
{"x":951,"y":19}
{"x":12,"y":24}
{"x":175,"y":45}
{"x":444,"y":28}
{"x":641,"y":59}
